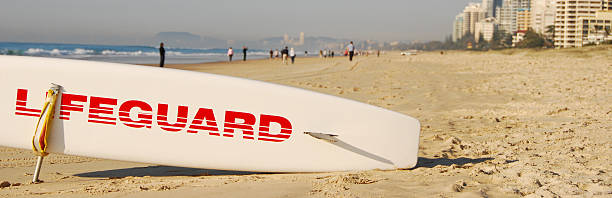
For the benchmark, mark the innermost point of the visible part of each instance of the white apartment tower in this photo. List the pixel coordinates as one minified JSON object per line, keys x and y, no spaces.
{"x":301,"y":42}
{"x":507,"y":16}
{"x":595,"y":30}
{"x":486,"y":28}
{"x":458,"y":27}
{"x":568,"y":14}
{"x":487,"y":6}
{"x":542,"y":15}
{"x":491,"y":7}
{"x":472,"y":14}
{"x":286,"y":38}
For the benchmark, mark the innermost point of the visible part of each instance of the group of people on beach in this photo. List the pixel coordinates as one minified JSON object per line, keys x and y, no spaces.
{"x":230,"y":53}
{"x":285,"y":53}
{"x":349,"y":51}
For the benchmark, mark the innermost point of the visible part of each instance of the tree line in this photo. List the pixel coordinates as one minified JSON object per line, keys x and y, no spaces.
{"x":500,"y":40}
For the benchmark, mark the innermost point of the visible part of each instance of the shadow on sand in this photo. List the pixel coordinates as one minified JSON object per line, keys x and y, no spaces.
{"x":430,"y":163}
{"x":158,"y":171}
{"x":161,"y":171}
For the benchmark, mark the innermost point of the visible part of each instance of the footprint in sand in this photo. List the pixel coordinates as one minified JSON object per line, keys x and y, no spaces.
{"x":354,"y":66}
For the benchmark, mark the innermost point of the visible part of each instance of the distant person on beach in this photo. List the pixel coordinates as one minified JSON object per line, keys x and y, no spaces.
{"x":320,"y":53}
{"x":332,"y":54}
{"x":162,"y":54}
{"x":244,"y":53}
{"x":305,"y":53}
{"x":377,"y":53}
{"x":285,"y":54}
{"x":230,"y":53}
{"x":292,"y":55}
{"x":351,"y":50}
{"x":271,"y":54}
{"x":276,"y":53}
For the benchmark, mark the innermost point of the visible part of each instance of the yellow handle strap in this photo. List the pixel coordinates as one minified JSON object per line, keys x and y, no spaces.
{"x":41,"y":132}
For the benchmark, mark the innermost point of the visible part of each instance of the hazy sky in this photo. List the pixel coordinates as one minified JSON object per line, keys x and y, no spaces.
{"x":133,"y":21}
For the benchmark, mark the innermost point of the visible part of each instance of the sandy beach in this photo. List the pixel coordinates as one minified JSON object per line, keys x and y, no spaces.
{"x":506,"y":123}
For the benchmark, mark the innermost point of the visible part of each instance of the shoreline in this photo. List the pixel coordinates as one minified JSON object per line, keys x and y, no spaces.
{"x":239,"y":61}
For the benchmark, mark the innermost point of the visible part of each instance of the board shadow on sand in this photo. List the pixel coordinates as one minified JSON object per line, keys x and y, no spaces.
{"x":432,"y":162}
{"x":160,"y":171}
{"x":359,"y":151}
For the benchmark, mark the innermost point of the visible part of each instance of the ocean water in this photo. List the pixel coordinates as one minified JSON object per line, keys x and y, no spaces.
{"x":123,"y":54}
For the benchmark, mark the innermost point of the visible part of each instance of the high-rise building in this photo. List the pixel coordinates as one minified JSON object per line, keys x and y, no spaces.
{"x":595,"y":30}
{"x":542,"y":15}
{"x":487,"y":6}
{"x":568,"y":15}
{"x":491,"y":7}
{"x":523,"y":20}
{"x":301,"y":42}
{"x":507,"y":16}
{"x":485,"y":28}
{"x":286,"y":39}
{"x":523,"y":15}
{"x":523,"y":4}
{"x":472,"y":14}
{"x":458,"y":27}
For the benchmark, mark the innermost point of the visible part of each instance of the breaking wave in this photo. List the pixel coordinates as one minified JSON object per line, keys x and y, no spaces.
{"x":127,"y":54}
{"x":84,"y":52}
{"x":109,"y":52}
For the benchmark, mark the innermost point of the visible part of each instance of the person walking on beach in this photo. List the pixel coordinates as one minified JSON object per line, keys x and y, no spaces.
{"x":292,"y":55}
{"x":162,"y":55}
{"x":230,"y":53}
{"x":285,"y":53}
{"x":244,"y":52}
{"x":351,"y":50}
{"x":271,"y":54}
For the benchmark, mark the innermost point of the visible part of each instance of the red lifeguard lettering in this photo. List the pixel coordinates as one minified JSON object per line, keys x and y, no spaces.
{"x":21,"y":105}
{"x":97,"y":110}
{"x":68,"y":104}
{"x":198,"y":122}
{"x":181,"y":118}
{"x":246,"y":126}
{"x":145,"y":119}
{"x":264,"y":128}
{"x":102,"y":110}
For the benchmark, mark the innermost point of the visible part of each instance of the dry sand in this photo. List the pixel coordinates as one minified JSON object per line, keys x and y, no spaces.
{"x":495,"y":124}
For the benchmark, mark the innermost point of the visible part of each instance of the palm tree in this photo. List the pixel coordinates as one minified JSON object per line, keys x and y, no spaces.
{"x":608,"y":33}
{"x":551,"y":30}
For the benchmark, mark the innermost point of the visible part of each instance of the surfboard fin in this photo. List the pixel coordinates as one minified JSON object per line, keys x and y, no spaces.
{"x":323,"y":136}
